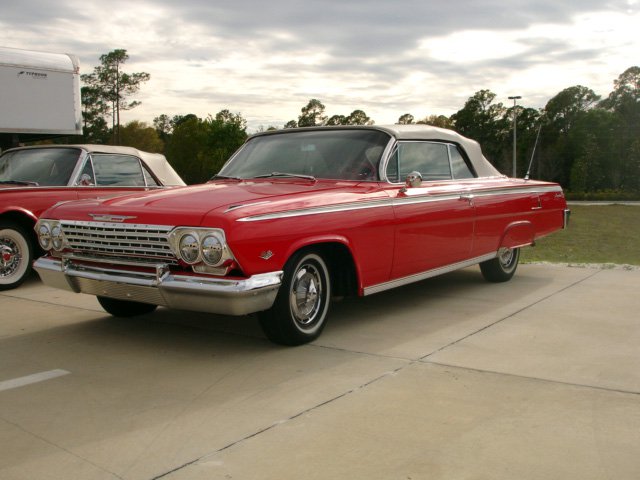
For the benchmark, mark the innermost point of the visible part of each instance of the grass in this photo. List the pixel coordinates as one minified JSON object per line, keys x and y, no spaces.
{"x":596,"y":234}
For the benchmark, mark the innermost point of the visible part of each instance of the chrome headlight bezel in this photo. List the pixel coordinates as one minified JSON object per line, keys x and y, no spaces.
{"x":50,"y":235}
{"x":211,"y":244}
{"x":43,"y":230}
{"x":189,"y":248}
{"x":57,"y":237}
{"x":212,"y":249}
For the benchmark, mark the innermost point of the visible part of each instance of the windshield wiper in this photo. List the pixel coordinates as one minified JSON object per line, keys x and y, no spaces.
{"x":225,"y":177}
{"x":285,"y":175}
{"x":19,"y":182}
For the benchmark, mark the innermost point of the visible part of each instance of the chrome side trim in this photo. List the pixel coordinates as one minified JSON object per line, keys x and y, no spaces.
{"x":410,"y":197}
{"x":381,"y":287}
{"x":345,"y":207}
{"x":231,"y":208}
{"x":186,"y":292}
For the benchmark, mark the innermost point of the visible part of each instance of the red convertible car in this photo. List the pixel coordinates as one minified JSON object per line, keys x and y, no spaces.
{"x":34,"y":178}
{"x":299,"y":216}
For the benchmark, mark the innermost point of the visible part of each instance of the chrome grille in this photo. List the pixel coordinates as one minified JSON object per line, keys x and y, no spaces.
{"x":131,"y":241}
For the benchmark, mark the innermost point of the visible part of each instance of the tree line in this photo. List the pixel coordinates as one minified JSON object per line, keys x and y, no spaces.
{"x":587,"y":143}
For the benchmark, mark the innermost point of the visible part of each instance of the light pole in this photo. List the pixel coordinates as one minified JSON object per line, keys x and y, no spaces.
{"x":515,"y":115}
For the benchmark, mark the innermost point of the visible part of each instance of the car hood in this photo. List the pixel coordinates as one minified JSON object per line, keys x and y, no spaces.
{"x":225,"y":200}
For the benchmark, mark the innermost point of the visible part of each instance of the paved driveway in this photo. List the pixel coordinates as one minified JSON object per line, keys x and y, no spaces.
{"x":450,"y":378}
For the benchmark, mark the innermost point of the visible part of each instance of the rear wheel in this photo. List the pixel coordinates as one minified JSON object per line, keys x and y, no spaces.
{"x":501,"y":268}
{"x":125,"y":308}
{"x":300,"y":310}
{"x":16,"y":255}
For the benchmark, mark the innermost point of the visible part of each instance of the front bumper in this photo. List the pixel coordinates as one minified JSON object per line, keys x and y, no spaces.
{"x":185,"y":292}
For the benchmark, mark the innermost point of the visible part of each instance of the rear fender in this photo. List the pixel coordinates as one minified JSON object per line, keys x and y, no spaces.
{"x":518,"y":234}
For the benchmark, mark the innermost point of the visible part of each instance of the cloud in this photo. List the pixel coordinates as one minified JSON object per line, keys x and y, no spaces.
{"x":267,"y":59}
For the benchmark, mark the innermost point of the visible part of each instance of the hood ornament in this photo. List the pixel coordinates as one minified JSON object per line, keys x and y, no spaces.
{"x":110,"y":218}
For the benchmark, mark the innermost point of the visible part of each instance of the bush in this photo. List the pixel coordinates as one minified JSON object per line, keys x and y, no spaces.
{"x":604,"y":195}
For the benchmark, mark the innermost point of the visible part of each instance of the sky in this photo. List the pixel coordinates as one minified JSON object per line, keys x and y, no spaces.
{"x":266,"y":59}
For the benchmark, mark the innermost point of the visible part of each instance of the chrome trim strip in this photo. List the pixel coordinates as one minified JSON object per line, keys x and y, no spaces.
{"x":320,"y":210}
{"x":186,"y":292}
{"x":231,"y":208}
{"x":428,"y":274}
{"x":122,"y":226}
{"x":412,"y":197}
{"x":111,"y":260}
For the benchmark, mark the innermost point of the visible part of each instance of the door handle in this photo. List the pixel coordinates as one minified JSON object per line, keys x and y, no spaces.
{"x":468,"y":197}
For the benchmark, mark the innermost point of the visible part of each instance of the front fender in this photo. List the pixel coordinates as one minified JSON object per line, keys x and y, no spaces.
{"x":17,"y":212}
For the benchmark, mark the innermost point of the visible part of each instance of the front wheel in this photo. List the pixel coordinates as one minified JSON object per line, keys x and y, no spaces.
{"x":501,"y":268}
{"x":125,"y":308}
{"x":300,"y":310}
{"x":16,"y":255}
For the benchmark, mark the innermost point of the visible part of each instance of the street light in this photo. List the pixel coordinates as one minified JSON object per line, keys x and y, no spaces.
{"x":515,"y":115}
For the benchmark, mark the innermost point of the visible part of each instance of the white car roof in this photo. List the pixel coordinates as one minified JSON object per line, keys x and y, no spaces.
{"x":156,"y":161}
{"x":481,"y":165}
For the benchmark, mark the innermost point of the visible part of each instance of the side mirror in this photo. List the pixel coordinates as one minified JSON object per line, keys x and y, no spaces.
{"x":85,"y":180}
{"x":413,"y":180}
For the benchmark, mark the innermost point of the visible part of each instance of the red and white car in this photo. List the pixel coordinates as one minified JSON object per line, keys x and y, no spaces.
{"x":297,"y":217}
{"x":33,"y":179}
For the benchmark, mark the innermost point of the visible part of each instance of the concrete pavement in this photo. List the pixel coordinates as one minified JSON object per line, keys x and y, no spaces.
{"x":450,"y":378}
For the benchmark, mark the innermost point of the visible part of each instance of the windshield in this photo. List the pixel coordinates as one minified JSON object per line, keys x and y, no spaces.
{"x":45,"y":167}
{"x":331,"y":153}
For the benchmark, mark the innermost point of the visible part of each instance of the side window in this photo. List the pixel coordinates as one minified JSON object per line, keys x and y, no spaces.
{"x":118,"y":170}
{"x":86,"y":178}
{"x":428,"y":158}
{"x":458,"y":164}
{"x":151,"y":182}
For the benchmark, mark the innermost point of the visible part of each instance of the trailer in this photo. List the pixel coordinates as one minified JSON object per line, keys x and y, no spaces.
{"x":39,"y":95}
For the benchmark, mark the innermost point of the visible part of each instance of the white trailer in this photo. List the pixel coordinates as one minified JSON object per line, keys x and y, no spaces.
{"x":39,"y":94}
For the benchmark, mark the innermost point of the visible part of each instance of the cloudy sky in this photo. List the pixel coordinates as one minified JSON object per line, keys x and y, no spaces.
{"x":266,"y":59}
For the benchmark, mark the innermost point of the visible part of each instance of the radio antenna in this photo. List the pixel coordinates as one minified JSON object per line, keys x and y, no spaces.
{"x":526,"y":177}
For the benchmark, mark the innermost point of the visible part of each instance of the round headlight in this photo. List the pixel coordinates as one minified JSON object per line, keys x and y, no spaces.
{"x":189,"y":248}
{"x":211,"y":250}
{"x":44,"y":236}
{"x":57,"y":239}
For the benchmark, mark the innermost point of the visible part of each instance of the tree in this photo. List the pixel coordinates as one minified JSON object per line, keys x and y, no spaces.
{"x":140,"y":135}
{"x":357,"y":117}
{"x":198,"y":148}
{"x":337,"y":120}
{"x":441,"y":121}
{"x":561,"y":113}
{"x":626,"y":90}
{"x":113,"y":86}
{"x":563,"y":109}
{"x":624,"y":103}
{"x":163,"y":126}
{"x":406,"y":119}
{"x":312,"y":114}
{"x":485,"y":122}
{"x":95,"y":129}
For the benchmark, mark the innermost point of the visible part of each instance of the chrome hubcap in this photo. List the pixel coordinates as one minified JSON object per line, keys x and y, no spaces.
{"x":306,"y":295}
{"x":506,"y":256}
{"x":9,"y":257}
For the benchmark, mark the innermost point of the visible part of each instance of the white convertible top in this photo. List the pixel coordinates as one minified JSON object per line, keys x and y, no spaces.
{"x":155,"y":161}
{"x":481,"y":165}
